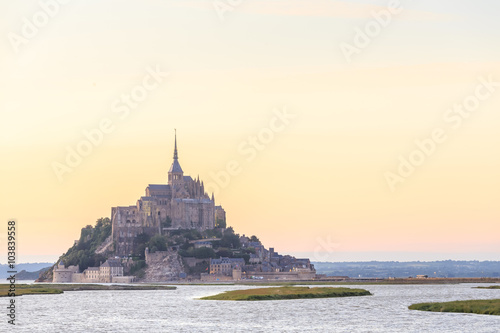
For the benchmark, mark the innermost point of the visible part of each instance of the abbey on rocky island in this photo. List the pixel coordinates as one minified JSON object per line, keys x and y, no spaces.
{"x":180,"y":204}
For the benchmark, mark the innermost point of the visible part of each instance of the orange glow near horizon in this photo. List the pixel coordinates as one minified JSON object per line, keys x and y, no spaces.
{"x":306,"y":138}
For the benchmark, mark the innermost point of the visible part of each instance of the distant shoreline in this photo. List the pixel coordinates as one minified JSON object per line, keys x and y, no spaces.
{"x":59,"y":288}
{"x":325,"y":281}
{"x":333,"y":281}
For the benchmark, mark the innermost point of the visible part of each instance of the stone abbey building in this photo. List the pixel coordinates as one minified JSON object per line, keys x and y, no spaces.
{"x":180,"y":204}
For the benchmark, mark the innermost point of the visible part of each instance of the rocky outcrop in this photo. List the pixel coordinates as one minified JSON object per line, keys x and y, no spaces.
{"x":163,"y":266}
{"x":47,"y":275}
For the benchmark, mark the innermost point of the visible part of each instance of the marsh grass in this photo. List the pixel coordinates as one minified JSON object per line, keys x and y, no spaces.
{"x":37,"y":289}
{"x":281,"y":293}
{"x":26,"y":289}
{"x":489,"y":307}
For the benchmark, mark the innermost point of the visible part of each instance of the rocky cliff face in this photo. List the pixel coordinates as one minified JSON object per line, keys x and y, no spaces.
{"x":47,"y":275}
{"x":163,"y":266}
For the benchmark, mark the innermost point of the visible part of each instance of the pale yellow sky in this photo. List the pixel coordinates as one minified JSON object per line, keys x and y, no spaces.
{"x":319,"y":176}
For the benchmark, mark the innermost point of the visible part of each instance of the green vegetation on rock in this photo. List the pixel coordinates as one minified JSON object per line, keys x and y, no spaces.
{"x":138,"y":268}
{"x":281,"y":293}
{"x":490,"y":287}
{"x":200,"y":253}
{"x":230,"y":239}
{"x":489,"y":307}
{"x":83,"y":252}
{"x":158,"y":243}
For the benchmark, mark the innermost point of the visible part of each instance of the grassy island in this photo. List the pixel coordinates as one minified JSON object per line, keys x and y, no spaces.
{"x":490,"y":287}
{"x":37,"y":289}
{"x":280,"y":293}
{"x":489,"y":307}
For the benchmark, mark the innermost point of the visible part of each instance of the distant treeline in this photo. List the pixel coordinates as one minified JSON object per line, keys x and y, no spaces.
{"x":386,"y":269}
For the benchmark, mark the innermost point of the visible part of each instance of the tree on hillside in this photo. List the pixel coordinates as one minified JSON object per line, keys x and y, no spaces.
{"x":224,"y":252}
{"x":83,"y":253}
{"x":158,"y":243}
{"x":212,"y":233}
{"x":246,"y":257}
{"x":204,"y":253}
{"x":167,"y":223}
{"x":140,"y":244}
{"x":254,"y":239}
{"x":230,"y":239}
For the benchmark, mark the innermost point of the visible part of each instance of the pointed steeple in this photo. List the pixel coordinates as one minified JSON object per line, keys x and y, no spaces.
{"x":175,"y":149}
{"x":175,"y":174}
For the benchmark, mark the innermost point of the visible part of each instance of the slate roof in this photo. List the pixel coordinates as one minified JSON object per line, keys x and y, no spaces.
{"x":224,"y":260}
{"x":158,"y":187}
{"x":176,"y":167}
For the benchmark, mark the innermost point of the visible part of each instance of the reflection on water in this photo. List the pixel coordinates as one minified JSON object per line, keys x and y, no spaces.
{"x":180,"y":311}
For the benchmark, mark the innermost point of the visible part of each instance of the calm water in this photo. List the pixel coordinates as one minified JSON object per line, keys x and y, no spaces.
{"x":180,"y":311}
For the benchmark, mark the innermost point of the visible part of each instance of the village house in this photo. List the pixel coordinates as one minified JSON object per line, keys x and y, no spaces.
{"x":111,"y":271}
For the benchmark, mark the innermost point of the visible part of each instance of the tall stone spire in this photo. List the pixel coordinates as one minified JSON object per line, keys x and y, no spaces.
{"x":175,"y":174}
{"x":175,"y":149}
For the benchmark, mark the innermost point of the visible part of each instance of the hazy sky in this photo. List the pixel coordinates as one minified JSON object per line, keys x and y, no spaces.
{"x":352,"y":131}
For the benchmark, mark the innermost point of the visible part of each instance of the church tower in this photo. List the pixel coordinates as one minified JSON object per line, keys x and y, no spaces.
{"x":175,"y":174}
